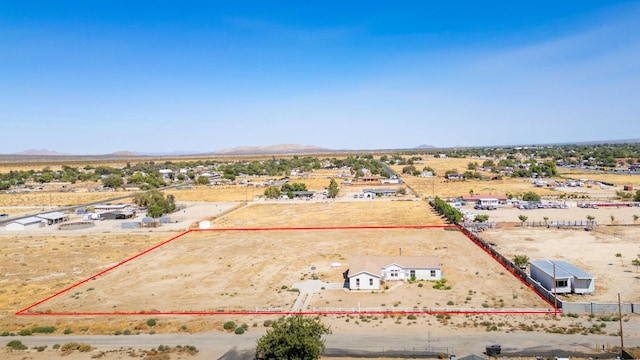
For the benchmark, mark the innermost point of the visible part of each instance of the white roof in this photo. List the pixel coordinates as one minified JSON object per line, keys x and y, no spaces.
{"x":52,"y":215}
{"x":29,"y":220}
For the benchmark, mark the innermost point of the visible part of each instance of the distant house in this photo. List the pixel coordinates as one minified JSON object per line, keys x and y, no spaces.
{"x":568,"y":277}
{"x":32,"y":222}
{"x":368,"y":272}
{"x":634,"y":167}
{"x":391,"y":181}
{"x":370,"y":178}
{"x":473,"y":198}
{"x":371,"y":193}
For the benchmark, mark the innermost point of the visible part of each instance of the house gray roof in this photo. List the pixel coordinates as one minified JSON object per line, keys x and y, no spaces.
{"x":563,"y":269}
{"x":374,"y":264}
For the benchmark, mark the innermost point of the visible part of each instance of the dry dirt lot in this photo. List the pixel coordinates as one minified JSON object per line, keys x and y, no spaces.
{"x":594,"y":251}
{"x":239,"y":271}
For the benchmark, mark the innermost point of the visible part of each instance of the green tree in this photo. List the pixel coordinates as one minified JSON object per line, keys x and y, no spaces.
{"x":191,"y":174}
{"x":113,"y":181}
{"x":530,"y":196}
{"x":294,"y":187}
{"x":590,"y":219}
{"x":154,"y":211}
{"x":636,"y":197}
{"x":294,"y":338}
{"x":481,"y":218}
{"x":333,"y":189}
{"x":272,"y":192}
{"x":521,"y":260}
{"x":523,"y":219}
{"x":202,"y":180}
{"x":155,"y":203}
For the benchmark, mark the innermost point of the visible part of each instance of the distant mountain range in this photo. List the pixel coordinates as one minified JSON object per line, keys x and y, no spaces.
{"x":282,"y":149}
{"x":273,"y":149}
{"x":41,"y":152}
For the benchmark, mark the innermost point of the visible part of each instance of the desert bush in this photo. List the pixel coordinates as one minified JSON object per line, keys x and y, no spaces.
{"x":43,"y":329}
{"x":68,"y":348}
{"x":16,"y":345}
{"x":151,"y":322}
{"x":229,"y":325}
{"x":126,"y":332}
{"x":239,"y":331}
{"x":117,"y":332}
{"x":267,"y":323}
{"x":411,"y":317}
{"x":67,"y":331}
{"x":24,"y":332}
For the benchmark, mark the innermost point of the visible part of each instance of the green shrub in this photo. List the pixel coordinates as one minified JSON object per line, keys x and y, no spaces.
{"x":43,"y":329}
{"x":67,"y":331}
{"x":411,"y":317}
{"x":16,"y":345}
{"x":267,"y":323}
{"x":239,"y":331}
{"x":56,"y":346}
{"x":24,"y":332}
{"x":126,"y":332}
{"x":118,"y":332}
{"x":229,"y":325}
{"x":151,"y":322}
{"x":450,"y":302}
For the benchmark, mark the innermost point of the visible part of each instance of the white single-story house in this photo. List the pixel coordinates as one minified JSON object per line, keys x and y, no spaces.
{"x":568,"y":277}
{"x":391,"y":181}
{"x":32,"y":222}
{"x":371,"y":193}
{"x":368,"y":272}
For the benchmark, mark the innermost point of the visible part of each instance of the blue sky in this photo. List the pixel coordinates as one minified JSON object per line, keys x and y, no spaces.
{"x":94,"y":77}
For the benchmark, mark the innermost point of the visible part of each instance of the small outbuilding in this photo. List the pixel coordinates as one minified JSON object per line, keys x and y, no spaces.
{"x":568,"y":277}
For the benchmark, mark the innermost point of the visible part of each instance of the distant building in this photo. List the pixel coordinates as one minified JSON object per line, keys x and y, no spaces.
{"x":473,"y":198}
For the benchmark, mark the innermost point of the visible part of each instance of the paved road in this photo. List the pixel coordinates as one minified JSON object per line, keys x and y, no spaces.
{"x":216,"y":345}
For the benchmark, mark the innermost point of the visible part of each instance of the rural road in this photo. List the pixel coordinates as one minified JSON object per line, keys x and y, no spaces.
{"x":216,"y":345}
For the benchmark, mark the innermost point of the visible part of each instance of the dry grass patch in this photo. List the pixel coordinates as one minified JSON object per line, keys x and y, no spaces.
{"x":323,"y":214}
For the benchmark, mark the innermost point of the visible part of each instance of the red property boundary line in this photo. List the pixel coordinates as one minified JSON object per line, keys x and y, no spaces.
{"x":24,"y":312}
